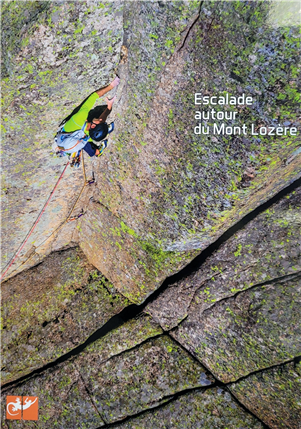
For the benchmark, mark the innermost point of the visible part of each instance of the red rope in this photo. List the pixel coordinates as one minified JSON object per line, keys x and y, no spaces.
{"x":34,"y":225}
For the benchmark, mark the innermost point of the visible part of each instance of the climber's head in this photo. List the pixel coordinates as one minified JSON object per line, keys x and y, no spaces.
{"x":99,"y":131}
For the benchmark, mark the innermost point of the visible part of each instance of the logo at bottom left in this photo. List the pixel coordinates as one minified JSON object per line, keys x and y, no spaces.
{"x":18,"y":407}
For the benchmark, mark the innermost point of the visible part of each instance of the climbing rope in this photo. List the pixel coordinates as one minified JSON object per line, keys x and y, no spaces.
{"x":39,"y":216}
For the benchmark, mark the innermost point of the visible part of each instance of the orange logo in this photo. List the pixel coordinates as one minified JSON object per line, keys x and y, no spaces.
{"x":15,"y":406}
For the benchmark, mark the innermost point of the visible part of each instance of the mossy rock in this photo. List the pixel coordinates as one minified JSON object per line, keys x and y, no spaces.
{"x":273,"y":395}
{"x":51,"y":309}
{"x":198,"y":410}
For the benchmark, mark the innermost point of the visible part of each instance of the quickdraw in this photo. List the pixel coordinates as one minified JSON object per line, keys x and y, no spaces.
{"x":92,"y":180}
{"x":70,"y":219}
{"x":75,"y":159}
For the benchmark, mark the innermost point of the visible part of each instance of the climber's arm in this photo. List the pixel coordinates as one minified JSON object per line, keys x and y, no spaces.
{"x":102,"y":91}
{"x":108,"y":110}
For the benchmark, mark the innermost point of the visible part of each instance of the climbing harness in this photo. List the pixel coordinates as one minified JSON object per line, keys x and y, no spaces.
{"x":69,"y":143}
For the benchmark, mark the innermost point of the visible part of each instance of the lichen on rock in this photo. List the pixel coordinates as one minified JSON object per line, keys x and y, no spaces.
{"x":174,"y":190}
{"x":86,"y":326}
{"x":202,"y":410}
{"x":56,"y":54}
{"x":63,"y":400}
{"x":273,"y":395}
{"x":141,"y":378}
{"x":266,"y":248}
{"x":51,"y":309}
{"x":243,"y":334}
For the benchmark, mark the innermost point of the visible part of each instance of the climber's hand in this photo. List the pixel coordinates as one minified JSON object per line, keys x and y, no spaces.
{"x":110,"y":102}
{"x":115,"y":82}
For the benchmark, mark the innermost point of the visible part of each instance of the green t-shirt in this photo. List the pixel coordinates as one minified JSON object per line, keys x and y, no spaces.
{"x":77,"y":121}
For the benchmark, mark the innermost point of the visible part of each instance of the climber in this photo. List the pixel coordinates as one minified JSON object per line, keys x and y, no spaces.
{"x":90,"y":124}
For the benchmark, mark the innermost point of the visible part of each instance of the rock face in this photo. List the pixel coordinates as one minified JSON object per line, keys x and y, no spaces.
{"x":141,"y":378}
{"x":273,"y":395}
{"x":53,"y":308}
{"x":266,"y":249}
{"x":175,"y":300}
{"x":186,"y":189}
{"x":207,"y":409}
{"x":53,"y":59}
{"x":245,"y":333}
{"x":142,"y":374}
{"x":67,"y":406}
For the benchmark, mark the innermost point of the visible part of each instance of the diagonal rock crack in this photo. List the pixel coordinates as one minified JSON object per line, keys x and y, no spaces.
{"x":167,"y":399}
{"x":133,"y":310}
{"x":191,"y":27}
{"x":291,"y":276}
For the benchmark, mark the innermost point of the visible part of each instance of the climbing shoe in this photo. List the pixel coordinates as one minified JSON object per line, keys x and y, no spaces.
{"x":102,"y":147}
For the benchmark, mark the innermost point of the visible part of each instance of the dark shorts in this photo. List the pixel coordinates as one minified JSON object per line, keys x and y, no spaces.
{"x":90,"y":148}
